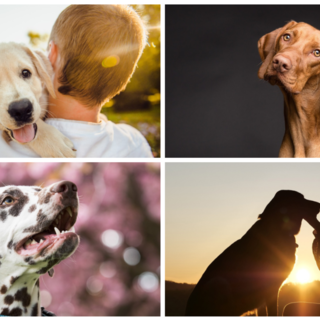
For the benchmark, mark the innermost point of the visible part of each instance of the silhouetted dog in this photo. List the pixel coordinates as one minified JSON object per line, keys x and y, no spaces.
{"x":249,"y":273}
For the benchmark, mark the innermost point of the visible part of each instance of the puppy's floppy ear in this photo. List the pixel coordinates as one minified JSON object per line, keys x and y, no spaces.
{"x":43,"y":67}
{"x":266,"y":47}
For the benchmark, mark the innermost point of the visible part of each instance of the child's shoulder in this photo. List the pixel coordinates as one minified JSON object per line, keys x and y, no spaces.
{"x":103,"y":140}
{"x":124,"y":133}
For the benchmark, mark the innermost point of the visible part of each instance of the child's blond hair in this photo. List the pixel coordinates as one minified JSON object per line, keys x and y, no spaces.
{"x":99,"y":47}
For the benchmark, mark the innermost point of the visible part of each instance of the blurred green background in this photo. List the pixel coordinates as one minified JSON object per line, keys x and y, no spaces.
{"x":139,"y":104}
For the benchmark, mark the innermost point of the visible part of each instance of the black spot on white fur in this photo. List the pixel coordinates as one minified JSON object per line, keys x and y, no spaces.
{"x":3,"y":289}
{"x":22,"y":200}
{"x":13,"y":279}
{"x":44,"y":197}
{"x":32,"y":208}
{"x":8,"y":299}
{"x":23,"y":296}
{"x":42,"y":222}
{"x":3,"y":215}
{"x":34,"y":312}
{"x":12,"y":313}
{"x":10,"y":244}
{"x":50,"y":264}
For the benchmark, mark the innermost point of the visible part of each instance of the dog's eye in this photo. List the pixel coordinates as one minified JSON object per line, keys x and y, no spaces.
{"x":316,"y":53}
{"x":26,"y":73}
{"x":7,"y":200}
{"x":286,"y":37}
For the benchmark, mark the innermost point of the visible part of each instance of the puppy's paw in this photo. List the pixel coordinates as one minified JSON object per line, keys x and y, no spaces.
{"x":65,"y":148}
{"x":51,"y":143}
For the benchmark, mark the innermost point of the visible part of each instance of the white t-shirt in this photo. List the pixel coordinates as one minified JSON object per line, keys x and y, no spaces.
{"x":91,"y":140}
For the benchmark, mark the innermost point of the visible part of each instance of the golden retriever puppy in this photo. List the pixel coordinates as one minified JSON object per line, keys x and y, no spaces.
{"x":25,"y":80}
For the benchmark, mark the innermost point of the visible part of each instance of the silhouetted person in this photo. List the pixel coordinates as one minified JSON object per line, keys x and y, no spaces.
{"x":249,"y":273}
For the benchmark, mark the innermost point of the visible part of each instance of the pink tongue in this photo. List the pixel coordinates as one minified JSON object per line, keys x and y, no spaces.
{"x":24,"y":134}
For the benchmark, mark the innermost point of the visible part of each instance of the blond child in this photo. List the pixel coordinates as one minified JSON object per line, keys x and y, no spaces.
{"x":94,"y":50}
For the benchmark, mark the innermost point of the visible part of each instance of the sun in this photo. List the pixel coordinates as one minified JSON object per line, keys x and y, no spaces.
{"x":303,"y":275}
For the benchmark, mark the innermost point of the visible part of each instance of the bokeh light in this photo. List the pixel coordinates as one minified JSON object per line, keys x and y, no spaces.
{"x":46,"y":298}
{"x":148,"y":281}
{"x":112,"y":238}
{"x":131,"y":256}
{"x":94,"y":285}
{"x":108,"y":269}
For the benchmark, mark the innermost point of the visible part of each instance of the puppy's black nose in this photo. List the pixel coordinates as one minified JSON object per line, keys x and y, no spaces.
{"x":21,"y":111}
{"x":64,"y":187}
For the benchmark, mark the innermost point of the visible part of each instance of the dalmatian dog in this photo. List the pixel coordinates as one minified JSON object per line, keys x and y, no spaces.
{"x":36,"y":233}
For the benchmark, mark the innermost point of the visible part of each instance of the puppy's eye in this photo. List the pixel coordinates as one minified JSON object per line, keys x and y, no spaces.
{"x":7,"y":200}
{"x":316,"y":53}
{"x":25,"y":73}
{"x":286,"y":37}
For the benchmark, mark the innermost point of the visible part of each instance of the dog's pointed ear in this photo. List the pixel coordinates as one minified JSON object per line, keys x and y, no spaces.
{"x":51,"y":272}
{"x":266,"y":47}
{"x":43,"y":67}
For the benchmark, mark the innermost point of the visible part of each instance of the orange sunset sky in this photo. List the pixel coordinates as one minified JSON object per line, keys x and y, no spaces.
{"x":211,"y":205}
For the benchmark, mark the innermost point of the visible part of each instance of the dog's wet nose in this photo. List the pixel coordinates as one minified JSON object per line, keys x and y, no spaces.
{"x":281,"y":63}
{"x":64,"y":187}
{"x":21,"y":110}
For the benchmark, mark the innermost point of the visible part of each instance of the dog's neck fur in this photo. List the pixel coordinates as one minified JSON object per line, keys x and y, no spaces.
{"x":19,"y":292}
{"x":302,"y":124}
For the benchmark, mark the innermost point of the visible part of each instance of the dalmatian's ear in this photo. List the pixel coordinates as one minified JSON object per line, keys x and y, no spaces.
{"x":51,"y":272}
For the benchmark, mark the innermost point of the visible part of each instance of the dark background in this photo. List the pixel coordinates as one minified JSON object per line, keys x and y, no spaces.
{"x":216,"y":106}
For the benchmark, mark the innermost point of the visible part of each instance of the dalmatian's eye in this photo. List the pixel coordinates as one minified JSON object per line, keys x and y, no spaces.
{"x":7,"y":200}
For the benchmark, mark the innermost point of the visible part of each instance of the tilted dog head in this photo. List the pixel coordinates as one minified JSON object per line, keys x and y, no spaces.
{"x":289,"y":208}
{"x":291,"y":56}
{"x":36,"y":227}
{"x":23,"y":78}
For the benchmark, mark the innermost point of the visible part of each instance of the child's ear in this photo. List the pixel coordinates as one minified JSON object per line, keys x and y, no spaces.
{"x":53,"y":54}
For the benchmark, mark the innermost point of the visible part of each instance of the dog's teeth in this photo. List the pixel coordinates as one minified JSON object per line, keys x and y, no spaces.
{"x":41,"y":241}
{"x":70,"y":211}
{"x":57,"y":231}
{"x":34,"y":242}
{"x":72,"y":229}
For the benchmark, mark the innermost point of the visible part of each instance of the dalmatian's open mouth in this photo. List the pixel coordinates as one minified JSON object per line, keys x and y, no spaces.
{"x":60,"y":229}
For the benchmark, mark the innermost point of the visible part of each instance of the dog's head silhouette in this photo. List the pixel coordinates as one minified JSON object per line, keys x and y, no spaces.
{"x":291,"y":207}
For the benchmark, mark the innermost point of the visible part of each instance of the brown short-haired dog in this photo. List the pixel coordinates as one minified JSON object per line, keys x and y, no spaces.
{"x":249,"y":273}
{"x":99,"y":48}
{"x":291,"y":59}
